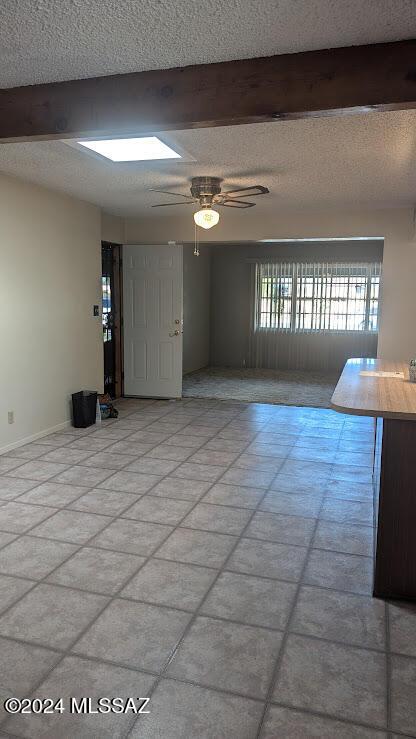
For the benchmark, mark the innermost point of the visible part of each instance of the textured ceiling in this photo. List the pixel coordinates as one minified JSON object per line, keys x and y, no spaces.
{"x":367,"y":160}
{"x":48,"y":40}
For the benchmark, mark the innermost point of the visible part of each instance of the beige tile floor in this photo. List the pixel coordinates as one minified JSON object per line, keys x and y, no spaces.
{"x":212,"y":556}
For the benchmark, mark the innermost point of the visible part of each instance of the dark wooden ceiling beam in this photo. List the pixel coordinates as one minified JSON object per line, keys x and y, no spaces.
{"x":315,"y":83}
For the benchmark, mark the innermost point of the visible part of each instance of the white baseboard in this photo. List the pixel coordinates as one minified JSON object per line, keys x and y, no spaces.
{"x":34,"y":437}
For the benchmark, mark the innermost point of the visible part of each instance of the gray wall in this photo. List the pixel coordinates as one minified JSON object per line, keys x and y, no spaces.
{"x":196,"y":308}
{"x":231,"y":291}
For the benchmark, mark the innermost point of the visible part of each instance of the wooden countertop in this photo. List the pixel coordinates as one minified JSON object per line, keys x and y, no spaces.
{"x":387,"y":397}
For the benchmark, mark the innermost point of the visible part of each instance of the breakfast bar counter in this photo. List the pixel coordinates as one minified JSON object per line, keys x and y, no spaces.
{"x":381,"y":389}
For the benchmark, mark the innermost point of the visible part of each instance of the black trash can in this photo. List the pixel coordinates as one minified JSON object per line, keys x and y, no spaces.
{"x":84,"y":408}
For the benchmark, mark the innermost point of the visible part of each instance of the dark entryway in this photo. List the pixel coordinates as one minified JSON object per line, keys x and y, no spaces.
{"x":111,"y":318}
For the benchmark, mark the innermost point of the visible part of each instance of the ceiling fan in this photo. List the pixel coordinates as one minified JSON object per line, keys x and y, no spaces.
{"x":206,"y":192}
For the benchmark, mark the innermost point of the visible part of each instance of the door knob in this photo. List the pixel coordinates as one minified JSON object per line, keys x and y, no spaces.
{"x":175,"y":333}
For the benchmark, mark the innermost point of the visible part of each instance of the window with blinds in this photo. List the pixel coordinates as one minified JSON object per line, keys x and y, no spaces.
{"x":296,"y":296}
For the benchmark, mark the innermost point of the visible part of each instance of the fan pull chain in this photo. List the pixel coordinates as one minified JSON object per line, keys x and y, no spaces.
{"x":196,"y":241}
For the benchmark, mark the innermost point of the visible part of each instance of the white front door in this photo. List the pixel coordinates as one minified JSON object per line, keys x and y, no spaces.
{"x":152,"y":307}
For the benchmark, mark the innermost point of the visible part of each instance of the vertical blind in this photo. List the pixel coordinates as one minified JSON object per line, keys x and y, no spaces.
{"x":317,"y":297}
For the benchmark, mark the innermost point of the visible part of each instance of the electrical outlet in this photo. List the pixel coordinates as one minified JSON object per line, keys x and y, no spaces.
{"x":10,"y":417}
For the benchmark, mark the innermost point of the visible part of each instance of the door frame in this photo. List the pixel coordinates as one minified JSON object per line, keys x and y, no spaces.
{"x":117,"y":309}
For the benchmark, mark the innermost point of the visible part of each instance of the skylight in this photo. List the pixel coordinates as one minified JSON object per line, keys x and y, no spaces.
{"x":131,"y":150}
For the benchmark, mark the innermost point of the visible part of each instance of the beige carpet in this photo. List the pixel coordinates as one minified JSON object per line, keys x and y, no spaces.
{"x":286,"y":387}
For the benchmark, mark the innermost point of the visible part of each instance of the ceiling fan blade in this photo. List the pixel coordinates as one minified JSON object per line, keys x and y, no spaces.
{"x":232,"y":203}
{"x":250,"y":191}
{"x":164,"y":205}
{"x":166,"y":192}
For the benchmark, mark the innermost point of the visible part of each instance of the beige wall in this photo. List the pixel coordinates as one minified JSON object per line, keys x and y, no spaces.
{"x":250,"y":225}
{"x":112,"y":228}
{"x":397,"y":337}
{"x":51,"y":345}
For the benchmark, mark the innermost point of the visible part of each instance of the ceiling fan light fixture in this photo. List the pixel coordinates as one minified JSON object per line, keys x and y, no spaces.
{"x":206,"y":217}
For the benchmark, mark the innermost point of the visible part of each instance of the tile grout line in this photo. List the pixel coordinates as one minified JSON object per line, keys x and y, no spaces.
{"x":223,"y":568}
{"x":287,"y":632}
{"x":152,"y":522}
{"x":216,"y":617}
{"x":252,"y":511}
{"x":195,"y":614}
{"x":177,"y":608}
{"x":79,"y":547}
{"x":87,"y":490}
{"x":220,"y":571}
{"x":171,"y":497}
{"x":388,"y":668}
{"x":147,"y":493}
{"x":68,"y":651}
{"x":226,"y":691}
{"x":126,"y":492}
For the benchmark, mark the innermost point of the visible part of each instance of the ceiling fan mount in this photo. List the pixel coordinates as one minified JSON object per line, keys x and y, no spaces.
{"x":204,"y":189}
